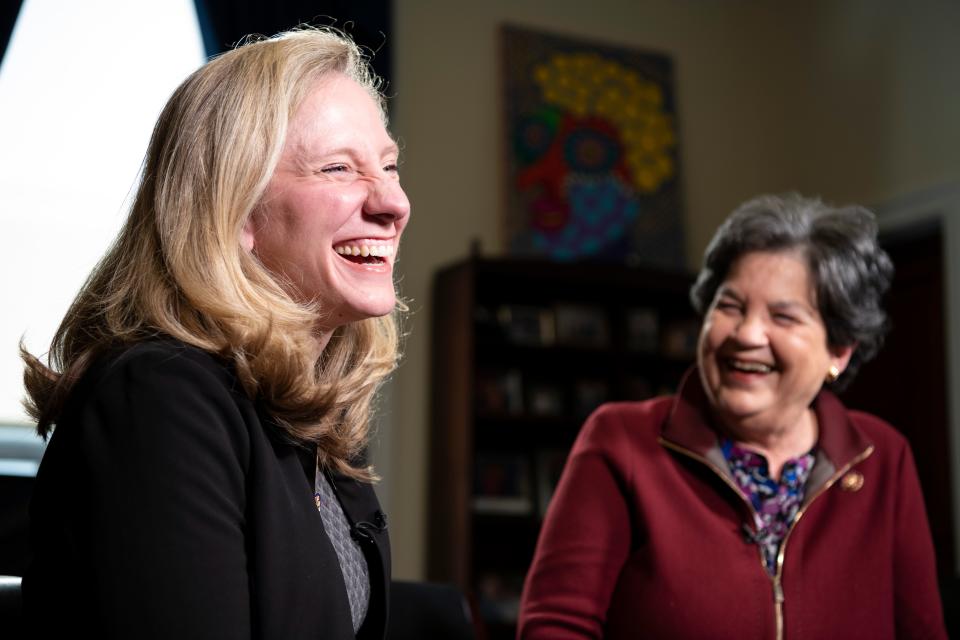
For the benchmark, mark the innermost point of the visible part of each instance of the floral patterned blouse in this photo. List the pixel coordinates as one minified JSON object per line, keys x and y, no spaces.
{"x":775,"y":504}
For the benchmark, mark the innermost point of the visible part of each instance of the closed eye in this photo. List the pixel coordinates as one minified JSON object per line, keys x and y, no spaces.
{"x":727,"y":305}
{"x":784,"y":318}
{"x":336,"y":168}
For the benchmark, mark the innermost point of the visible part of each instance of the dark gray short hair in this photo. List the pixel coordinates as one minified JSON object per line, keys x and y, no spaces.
{"x":851,"y":273}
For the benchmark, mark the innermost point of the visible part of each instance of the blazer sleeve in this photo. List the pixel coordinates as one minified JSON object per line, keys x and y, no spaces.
{"x":161,"y":497}
{"x":916,"y":596}
{"x":585,"y":538}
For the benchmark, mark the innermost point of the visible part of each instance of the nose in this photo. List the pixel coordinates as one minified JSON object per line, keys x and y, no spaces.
{"x":387,"y":203}
{"x":751,"y":330}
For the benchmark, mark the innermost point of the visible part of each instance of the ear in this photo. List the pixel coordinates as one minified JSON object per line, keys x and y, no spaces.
{"x":247,"y":234}
{"x":840,"y":356}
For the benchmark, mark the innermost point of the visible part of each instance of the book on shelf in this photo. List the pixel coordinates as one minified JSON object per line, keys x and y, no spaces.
{"x":544,"y":399}
{"x":588,"y":394}
{"x":581,"y":325}
{"x":678,"y":339}
{"x":643,"y":330}
{"x":499,"y":392}
{"x":526,"y":324}
{"x":498,"y":595}
{"x":502,"y":484}
{"x":637,"y":388}
{"x":549,"y":463}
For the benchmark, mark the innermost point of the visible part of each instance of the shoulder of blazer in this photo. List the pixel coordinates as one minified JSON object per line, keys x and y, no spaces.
{"x":161,"y":352}
{"x":158,"y":367}
{"x":150,"y":354}
{"x":161,"y":371}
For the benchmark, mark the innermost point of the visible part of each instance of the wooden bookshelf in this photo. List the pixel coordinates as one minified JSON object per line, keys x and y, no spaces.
{"x":522,"y":351}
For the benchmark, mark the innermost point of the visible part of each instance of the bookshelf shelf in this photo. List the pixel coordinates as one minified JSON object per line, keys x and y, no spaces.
{"x":522,"y":351}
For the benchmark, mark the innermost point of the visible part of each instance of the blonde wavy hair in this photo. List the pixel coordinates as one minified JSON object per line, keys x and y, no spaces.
{"x":177,"y":267}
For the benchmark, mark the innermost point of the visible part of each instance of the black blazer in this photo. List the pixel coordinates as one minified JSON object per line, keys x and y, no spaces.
{"x":168,"y":505}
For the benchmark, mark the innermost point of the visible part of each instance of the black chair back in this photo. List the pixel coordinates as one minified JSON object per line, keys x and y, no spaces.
{"x":11,"y":608}
{"x":421,"y":610}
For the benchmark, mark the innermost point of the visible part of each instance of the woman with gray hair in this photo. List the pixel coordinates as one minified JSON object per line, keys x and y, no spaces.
{"x":209,"y":391}
{"x":752,"y":504}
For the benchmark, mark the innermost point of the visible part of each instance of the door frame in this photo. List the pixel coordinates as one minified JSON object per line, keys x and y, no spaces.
{"x":939,"y":204}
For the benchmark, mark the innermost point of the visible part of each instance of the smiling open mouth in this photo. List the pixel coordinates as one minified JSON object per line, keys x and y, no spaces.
{"x":748,"y":366}
{"x":365,"y":253}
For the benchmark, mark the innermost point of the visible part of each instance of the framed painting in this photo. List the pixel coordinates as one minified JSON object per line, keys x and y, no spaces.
{"x":592,"y":164}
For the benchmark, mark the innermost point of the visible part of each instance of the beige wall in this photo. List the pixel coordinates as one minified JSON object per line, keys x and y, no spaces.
{"x":855,"y":100}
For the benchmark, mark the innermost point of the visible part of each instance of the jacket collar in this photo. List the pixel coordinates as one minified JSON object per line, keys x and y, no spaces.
{"x":690,"y":425}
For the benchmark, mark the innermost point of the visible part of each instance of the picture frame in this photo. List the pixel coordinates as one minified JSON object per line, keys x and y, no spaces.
{"x":592,"y":166}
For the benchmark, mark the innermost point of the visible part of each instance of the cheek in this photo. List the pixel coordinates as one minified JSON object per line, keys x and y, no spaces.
{"x":713,"y":332}
{"x":312,"y":223}
{"x":705,"y":344}
{"x":804,"y":348}
{"x":805,"y":359}
{"x":400,"y":225}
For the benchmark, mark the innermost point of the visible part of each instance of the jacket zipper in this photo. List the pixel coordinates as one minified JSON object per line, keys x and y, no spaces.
{"x":728,"y":482}
{"x":777,"y":583}
{"x":778,"y":597}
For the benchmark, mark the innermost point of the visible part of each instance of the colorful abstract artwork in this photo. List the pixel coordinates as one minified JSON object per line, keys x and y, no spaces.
{"x":592,"y":154}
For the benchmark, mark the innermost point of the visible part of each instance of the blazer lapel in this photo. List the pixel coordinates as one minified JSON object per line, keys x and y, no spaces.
{"x":308,"y":460}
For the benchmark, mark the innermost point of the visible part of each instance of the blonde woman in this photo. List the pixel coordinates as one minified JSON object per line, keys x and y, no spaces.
{"x":209,"y":391}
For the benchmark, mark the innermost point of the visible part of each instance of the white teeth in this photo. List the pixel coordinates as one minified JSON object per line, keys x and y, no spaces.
{"x":752,"y":367}
{"x":365,"y":250}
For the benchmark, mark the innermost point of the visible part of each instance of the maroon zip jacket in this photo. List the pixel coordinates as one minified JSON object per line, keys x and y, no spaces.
{"x":648,"y":537}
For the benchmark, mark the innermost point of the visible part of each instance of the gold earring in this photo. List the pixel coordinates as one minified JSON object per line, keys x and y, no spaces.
{"x":833,"y":373}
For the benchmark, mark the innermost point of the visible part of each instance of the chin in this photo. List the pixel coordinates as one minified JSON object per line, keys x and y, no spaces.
{"x":346,"y":310}
{"x":738,"y":406}
{"x":377,"y":313}
{"x":374,"y":308}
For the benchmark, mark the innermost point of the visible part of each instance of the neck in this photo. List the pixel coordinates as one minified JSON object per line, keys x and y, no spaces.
{"x":321,"y":338}
{"x":779,"y":443}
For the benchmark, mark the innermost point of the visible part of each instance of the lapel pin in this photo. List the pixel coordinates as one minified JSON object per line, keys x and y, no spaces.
{"x":853,"y":481}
